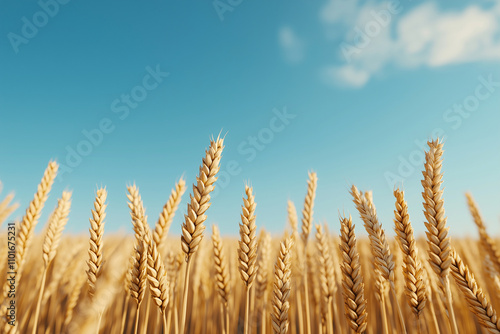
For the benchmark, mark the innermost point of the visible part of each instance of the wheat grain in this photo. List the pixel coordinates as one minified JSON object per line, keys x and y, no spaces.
{"x":96,"y":239}
{"x":379,"y":246}
{"x":281,"y":290}
{"x":477,"y":302}
{"x":167,"y":215}
{"x":353,"y":287}
{"x":412,"y":270}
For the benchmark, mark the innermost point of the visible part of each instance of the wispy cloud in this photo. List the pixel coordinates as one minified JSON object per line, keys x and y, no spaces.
{"x":378,"y":35}
{"x":291,"y":45}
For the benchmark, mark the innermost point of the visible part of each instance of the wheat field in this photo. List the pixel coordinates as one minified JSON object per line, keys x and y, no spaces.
{"x":309,"y":279}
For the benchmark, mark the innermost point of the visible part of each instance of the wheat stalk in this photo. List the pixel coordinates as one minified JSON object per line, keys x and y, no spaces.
{"x":437,"y":233}
{"x":486,"y":241}
{"x":167,"y":215}
{"x":353,"y":287}
{"x":293,"y":220}
{"x":223,"y":280}
{"x":247,"y":250}
{"x":221,"y":267}
{"x":30,"y":219}
{"x":51,"y":243}
{"x":56,"y":227}
{"x":96,"y":230}
{"x":307,"y":212}
{"x":138,"y":277}
{"x":327,"y":279}
{"x":413,"y":272}
{"x":477,"y":302}
{"x":192,"y":229}
{"x":6,"y":209}
{"x":379,"y":245}
{"x":307,"y":220}
{"x":281,"y":289}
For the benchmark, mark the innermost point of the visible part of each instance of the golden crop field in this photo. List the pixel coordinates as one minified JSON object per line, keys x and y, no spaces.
{"x":308,"y":280}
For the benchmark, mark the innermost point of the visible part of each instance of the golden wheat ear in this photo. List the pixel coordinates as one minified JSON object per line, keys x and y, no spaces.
{"x":96,"y":239}
{"x":437,"y":232}
{"x":476,"y":300}
{"x":192,"y":229}
{"x":221,"y":267}
{"x":353,"y":287}
{"x":282,"y":287}
{"x":415,"y":288}
{"x":248,"y":239}
{"x":167,"y":215}
{"x":487,"y":242}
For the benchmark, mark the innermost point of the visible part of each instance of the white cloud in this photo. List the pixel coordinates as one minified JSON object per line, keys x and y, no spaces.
{"x":292,"y":46}
{"x":424,"y":36}
{"x":345,"y":76}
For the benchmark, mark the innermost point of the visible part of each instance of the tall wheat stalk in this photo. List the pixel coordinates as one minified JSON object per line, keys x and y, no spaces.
{"x":353,"y":287}
{"x":326,"y":274}
{"x":412,"y":270}
{"x":486,"y":241}
{"x":476,"y":300}
{"x":51,"y":243}
{"x":381,"y":252}
{"x":167,"y":215}
{"x":307,"y":221}
{"x":281,"y":289}
{"x":223,"y":280}
{"x":247,"y":250}
{"x":437,"y":232}
{"x":193,"y":228}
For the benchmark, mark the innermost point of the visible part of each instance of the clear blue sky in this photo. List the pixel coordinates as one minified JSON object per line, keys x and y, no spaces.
{"x":361,"y":81}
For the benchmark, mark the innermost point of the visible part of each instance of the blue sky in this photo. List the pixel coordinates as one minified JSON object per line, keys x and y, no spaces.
{"x":348,"y":89}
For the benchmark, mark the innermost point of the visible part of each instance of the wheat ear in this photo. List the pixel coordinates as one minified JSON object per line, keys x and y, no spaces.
{"x":221,"y":267}
{"x":437,"y":232}
{"x":262,"y":277}
{"x":412,"y":271}
{"x":476,"y":300}
{"x":167,"y":215}
{"x":307,"y":212}
{"x":378,"y":242}
{"x":30,"y":219}
{"x":307,"y":221}
{"x":384,"y":261}
{"x":327,"y":278}
{"x":263,"y":259}
{"x":486,"y":241}
{"x":51,"y":243}
{"x":353,"y":287}
{"x":247,"y":250}
{"x":157,"y":275}
{"x":55,"y":228}
{"x":281,"y":289}
{"x":6,"y":208}
{"x":223,"y":280}
{"x":192,"y":229}
{"x":293,"y":220}
{"x":96,"y":240}
{"x":138,"y":277}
